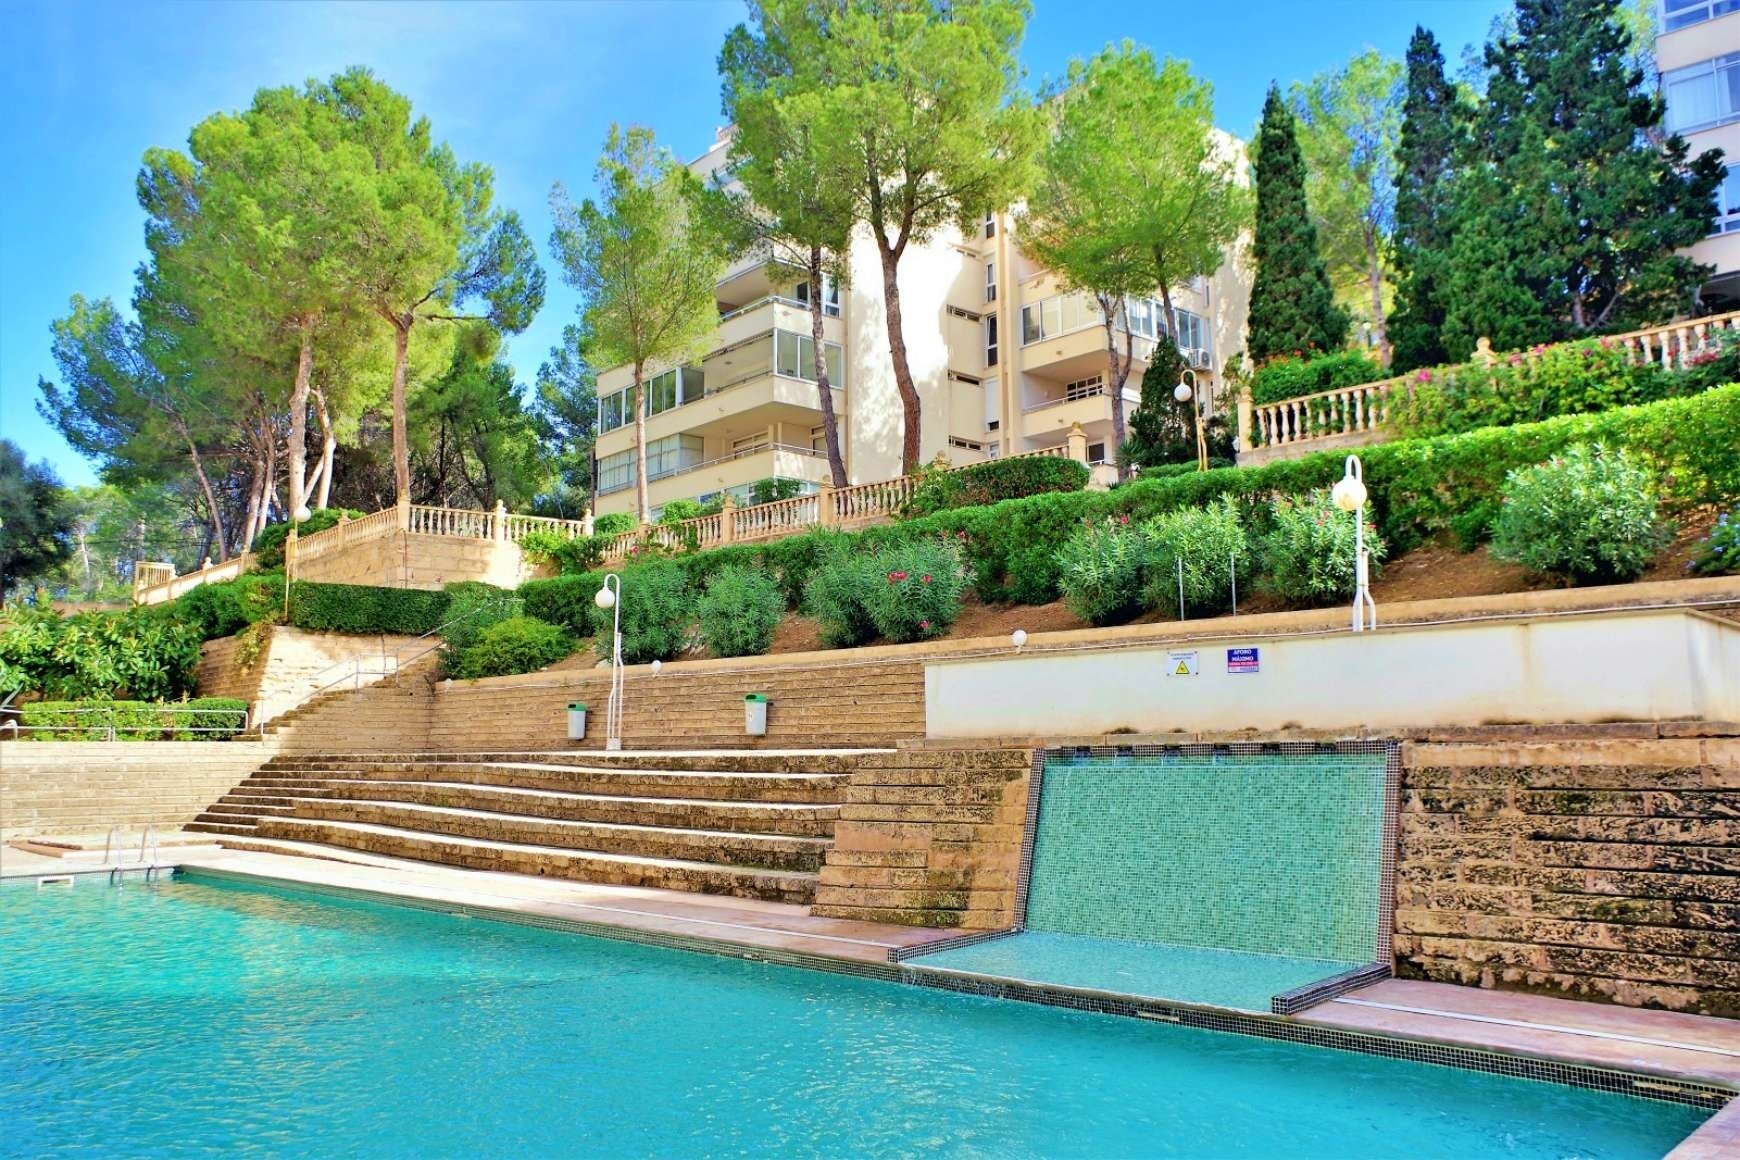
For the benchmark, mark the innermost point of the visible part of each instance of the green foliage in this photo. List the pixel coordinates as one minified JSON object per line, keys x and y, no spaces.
{"x":1718,"y":554}
{"x":1101,"y":569}
{"x":773,"y":489}
{"x":518,"y":644}
{"x":1308,"y":554}
{"x":567,"y":553}
{"x":228,"y":606}
{"x":268,"y":546}
{"x":1434,"y":122}
{"x":93,"y":720}
{"x":1209,"y":542}
{"x":361,"y":608}
{"x":140,"y":653}
{"x":657,"y":605}
{"x":565,"y":600}
{"x":739,"y":611}
{"x":838,"y":593}
{"x":1588,"y":514}
{"x":1292,"y":304}
{"x":996,"y":480}
{"x":472,"y":608}
{"x":918,"y":594}
{"x":473,"y":443}
{"x":36,"y":520}
{"x":206,"y":719}
{"x":1288,"y":377}
{"x":564,"y":408}
{"x":613,"y":524}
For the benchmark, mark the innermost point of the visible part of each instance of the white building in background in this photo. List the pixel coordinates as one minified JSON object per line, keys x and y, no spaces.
{"x":1697,"y":51}
{"x":1003,"y":361}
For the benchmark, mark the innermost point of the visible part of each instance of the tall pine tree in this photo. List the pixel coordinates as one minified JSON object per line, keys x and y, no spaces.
{"x":1434,"y":118}
{"x":1567,"y":217}
{"x":1292,"y":304}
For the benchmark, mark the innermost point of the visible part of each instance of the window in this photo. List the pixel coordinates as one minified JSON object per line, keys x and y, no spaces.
{"x":1096,"y":453}
{"x":1705,"y":94}
{"x":1685,"y":13}
{"x":794,"y":356}
{"x":1192,"y":334}
{"x":1085,"y":388}
{"x":819,"y":439}
{"x":1139,"y":314}
{"x":990,"y":340}
{"x":965,"y":444}
{"x":990,"y":225}
{"x":990,"y":281}
{"x":750,"y":444}
{"x":1728,"y":203}
{"x":1059,"y":314}
{"x":830,"y":295}
{"x":616,"y":472}
{"x":672,"y":454}
{"x":614,"y":411}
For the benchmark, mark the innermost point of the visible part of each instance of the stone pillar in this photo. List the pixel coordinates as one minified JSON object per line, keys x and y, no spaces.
{"x":727,"y":519}
{"x":1247,"y":418}
{"x":500,"y":528}
{"x":1483,"y":352}
{"x":826,"y":516}
{"x":404,"y":513}
{"x":588,"y":524}
{"x":1076,"y":441}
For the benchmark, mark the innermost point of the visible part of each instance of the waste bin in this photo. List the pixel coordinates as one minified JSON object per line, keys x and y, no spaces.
{"x":576,"y":722}
{"x":755,"y":714}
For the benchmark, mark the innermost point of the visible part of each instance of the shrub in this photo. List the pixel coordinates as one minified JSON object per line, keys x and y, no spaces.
{"x":1588,"y":514}
{"x":519,"y":644}
{"x":567,"y":553}
{"x":656,"y":610}
{"x":994,"y":481}
{"x":207,"y":719}
{"x":140,"y":653}
{"x":1101,"y":568}
{"x":614,"y":524}
{"x":362,"y":608}
{"x":565,"y":600}
{"x":918,"y":594}
{"x":1308,"y":552}
{"x":1288,"y":378}
{"x":472,"y":607}
{"x":268,"y":546}
{"x":1204,"y":545}
{"x":1718,"y":554}
{"x":838,"y":596}
{"x":773,"y":489}
{"x":739,"y":612}
{"x":229,"y":606}
{"x":201,"y":719}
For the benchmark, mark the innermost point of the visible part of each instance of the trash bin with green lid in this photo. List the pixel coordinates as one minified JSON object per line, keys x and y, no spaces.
{"x":577,"y":722}
{"x":755,"y":714}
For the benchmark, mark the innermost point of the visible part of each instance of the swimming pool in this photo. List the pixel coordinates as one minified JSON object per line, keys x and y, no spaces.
{"x":191,"y":1018}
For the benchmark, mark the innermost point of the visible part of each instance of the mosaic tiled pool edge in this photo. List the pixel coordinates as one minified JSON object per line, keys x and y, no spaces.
{"x":1634,"y":1085}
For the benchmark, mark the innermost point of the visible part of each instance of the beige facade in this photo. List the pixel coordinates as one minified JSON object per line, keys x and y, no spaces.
{"x":1003,"y":359}
{"x":1698,"y":55}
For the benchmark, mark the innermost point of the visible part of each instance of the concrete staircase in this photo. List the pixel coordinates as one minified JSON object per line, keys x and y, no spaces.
{"x":752,"y":825}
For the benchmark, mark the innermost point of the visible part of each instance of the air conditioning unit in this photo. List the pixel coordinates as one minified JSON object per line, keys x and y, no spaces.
{"x":1200,"y":359}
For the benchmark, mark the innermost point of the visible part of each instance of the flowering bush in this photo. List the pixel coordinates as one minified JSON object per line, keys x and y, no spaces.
{"x":739,"y":612}
{"x":920,"y":592}
{"x":1718,"y":553}
{"x":1101,"y":568}
{"x":837,"y":594}
{"x":1308,"y":553}
{"x":1588,"y":514}
{"x":1209,"y":543}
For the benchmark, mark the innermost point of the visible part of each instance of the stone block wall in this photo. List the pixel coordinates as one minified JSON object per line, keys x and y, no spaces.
{"x":930,"y":837}
{"x":292,"y":665}
{"x":409,"y":560}
{"x":1599,"y":869}
{"x":50,"y":788}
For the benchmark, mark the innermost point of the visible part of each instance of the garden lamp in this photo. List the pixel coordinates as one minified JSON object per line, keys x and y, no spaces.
{"x":1350,"y":495}
{"x":609,"y":599}
{"x":1184,"y":392}
{"x":1018,"y":638}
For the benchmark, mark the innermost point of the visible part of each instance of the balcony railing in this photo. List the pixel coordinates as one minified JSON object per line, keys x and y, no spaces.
{"x":1077,"y":394}
{"x":701,"y":464}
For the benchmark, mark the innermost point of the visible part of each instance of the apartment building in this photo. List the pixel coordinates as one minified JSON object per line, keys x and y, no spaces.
{"x":1004,"y":362}
{"x":1697,"y":51}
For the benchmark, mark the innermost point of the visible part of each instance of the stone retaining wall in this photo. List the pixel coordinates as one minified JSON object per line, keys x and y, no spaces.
{"x":53,"y":788}
{"x":1602,"y":869}
{"x":292,"y":665}
{"x":930,"y":837}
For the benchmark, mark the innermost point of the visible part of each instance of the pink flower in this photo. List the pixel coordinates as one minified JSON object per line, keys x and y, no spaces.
{"x":1124,"y":519}
{"x":924,"y":625}
{"x":896,"y":577}
{"x":1423,"y":375}
{"x":925,"y":578}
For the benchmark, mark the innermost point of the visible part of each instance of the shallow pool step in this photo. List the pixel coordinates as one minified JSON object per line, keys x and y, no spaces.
{"x":773,"y":851}
{"x":548,"y":861}
{"x":799,"y":819}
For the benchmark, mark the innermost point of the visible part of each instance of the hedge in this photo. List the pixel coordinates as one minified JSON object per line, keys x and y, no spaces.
{"x":995,"y":481}
{"x":214,"y":718}
{"x":228,"y":606}
{"x":1289,"y":378}
{"x":268,"y":546}
{"x":1420,"y":488}
{"x":362,"y":608}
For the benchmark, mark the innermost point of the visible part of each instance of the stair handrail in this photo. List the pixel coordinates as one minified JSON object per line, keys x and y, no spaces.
{"x":400,"y":662}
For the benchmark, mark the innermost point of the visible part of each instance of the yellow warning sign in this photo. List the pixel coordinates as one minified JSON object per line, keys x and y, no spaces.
{"x":1182,"y":664}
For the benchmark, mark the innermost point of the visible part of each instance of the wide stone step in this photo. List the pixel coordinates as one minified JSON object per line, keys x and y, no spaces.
{"x":248,"y":809}
{"x":772,"y":851}
{"x":549,"y":861}
{"x":733,"y":761}
{"x":801,"y":819}
{"x":814,"y":788}
{"x":208,"y":827}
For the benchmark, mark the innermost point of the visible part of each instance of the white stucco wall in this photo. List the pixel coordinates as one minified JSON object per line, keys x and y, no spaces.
{"x":1656,"y":665}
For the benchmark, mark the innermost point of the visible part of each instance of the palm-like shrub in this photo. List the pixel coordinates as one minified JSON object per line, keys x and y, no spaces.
{"x":657,"y":606}
{"x":1204,"y":546}
{"x":1308,"y":552}
{"x":739,"y":612}
{"x":1101,"y":570}
{"x":1588,"y":515}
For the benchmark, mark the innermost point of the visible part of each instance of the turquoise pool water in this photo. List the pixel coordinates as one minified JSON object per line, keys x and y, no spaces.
{"x":195,"y":1019}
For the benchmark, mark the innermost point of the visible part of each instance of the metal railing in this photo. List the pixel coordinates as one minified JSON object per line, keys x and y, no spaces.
{"x":234,"y":722}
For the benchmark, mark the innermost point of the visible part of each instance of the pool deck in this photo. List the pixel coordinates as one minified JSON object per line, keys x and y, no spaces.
{"x":1668,"y":1045}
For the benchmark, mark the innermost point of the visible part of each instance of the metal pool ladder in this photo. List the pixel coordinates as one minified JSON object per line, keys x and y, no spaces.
{"x":113,"y":849}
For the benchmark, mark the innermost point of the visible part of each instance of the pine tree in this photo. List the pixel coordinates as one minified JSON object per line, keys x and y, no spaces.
{"x":1567,"y":218}
{"x":1292,"y":304}
{"x":1434,"y":118}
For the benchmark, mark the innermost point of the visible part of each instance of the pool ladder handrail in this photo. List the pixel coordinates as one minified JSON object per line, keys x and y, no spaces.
{"x":114,"y":849}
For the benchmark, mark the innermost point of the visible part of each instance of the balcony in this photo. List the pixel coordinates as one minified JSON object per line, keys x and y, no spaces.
{"x":1048,"y":420}
{"x":738,"y":469}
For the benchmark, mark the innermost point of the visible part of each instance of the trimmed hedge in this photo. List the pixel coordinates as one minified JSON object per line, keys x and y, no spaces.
{"x":362,"y":608}
{"x":229,"y":606}
{"x":518,"y":644}
{"x":995,"y":481}
{"x":211,"y":719}
{"x":1288,"y":378}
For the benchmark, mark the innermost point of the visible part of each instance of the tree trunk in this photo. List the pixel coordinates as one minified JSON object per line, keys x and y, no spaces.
{"x":1166,"y":304}
{"x":401,"y":441}
{"x":825,"y":391}
{"x":256,"y":492}
{"x":211,"y":503}
{"x":909,"y":401}
{"x":297,"y":452}
{"x":1119,"y":373}
{"x":1374,"y":274}
{"x":328,"y":449}
{"x":642,"y":506}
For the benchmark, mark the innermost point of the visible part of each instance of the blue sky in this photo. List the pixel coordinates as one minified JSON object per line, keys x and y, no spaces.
{"x":529,"y":88}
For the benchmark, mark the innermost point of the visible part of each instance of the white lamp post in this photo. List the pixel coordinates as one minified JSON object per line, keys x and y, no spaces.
{"x":1184,"y":392}
{"x":1349,"y":495}
{"x":1018,"y":638}
{"x":609,"y":599}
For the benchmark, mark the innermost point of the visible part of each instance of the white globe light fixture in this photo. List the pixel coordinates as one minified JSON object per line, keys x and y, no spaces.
{"x":1184,"y":392}
{"x":302,"y":513}
{"x":1350,"y":495}
{"x":1018,"y":638}
{"x":656,"y":666}
{"x":609,"y":599}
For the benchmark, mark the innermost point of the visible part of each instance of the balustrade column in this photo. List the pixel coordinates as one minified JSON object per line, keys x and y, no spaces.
{"x":825,"y":514}
{"x":727,"y":519}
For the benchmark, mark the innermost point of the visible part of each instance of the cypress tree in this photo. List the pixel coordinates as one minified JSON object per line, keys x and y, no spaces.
{"x":1292,"y":304}
{"x":1434,"y":119}
{"x":1567,"y":217}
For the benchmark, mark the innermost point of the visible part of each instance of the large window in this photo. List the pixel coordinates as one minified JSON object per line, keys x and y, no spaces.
{"x":990,"y":281}
{"x":616,"y":472}
{"x":794,"y":355}
{"x":1728,"y":203}
{"x":1059,"y":314}
{"x":1192,"y":334}
{"x":614,"y":411}
{"x":672,"y":454}
{"x":990,"y":340}
{"x":1685,"y":13}
{"x":830,"y":295}
{"x":1705,"y":94}
{"x":673,"y":388}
